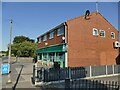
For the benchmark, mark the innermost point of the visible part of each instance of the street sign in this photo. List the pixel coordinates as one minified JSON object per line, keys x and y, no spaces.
{"x":5,"y":68}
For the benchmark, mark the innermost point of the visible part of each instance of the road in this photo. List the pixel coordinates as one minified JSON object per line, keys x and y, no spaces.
{"x":21,"y":74}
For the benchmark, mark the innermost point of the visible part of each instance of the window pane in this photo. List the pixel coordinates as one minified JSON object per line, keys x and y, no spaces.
{"x":45,"y":56}
{"x":95,"y":31}
{"x":60,"y":31}
{"x":102,"y":33}
{"x":39,"y":40}
{"x":60,"y":56}
{"x":112,"y":35}
{"x":40,"y":56}
{"x":51,"y":56}
{"x":45,"y":38}
{"x":51,"y":35}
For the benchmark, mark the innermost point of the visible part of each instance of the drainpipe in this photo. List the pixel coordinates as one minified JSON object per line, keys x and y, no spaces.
{"x":66,"y":53}
{"x":65,"y":24}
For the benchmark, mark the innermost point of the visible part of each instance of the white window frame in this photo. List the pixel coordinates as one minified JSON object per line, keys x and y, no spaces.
{"x":112,"y":33}
{"x":45,"y":39}
{"x":58,"y":30}
{"x":52,"y":35}
{"x":39,"y":40}
{"x":103,"y":31}
{"x":95,"y":30}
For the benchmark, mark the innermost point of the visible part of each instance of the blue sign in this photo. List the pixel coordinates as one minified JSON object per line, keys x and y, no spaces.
{"x":5,"y":68}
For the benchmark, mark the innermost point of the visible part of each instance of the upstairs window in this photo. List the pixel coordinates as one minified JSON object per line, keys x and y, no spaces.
{"x":60,"y":31}
{"x":95,"y":32}
{"x":51,"y":35}
{"x":102,"y":33}
{"x":112,"y":35}
{"x":39,"y":40}
{"x":45,"y":38}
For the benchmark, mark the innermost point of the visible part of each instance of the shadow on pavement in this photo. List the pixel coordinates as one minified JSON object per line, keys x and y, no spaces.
{"x":13,"y":88}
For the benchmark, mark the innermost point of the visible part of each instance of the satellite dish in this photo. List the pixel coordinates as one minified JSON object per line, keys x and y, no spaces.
{"x":87,"y":13}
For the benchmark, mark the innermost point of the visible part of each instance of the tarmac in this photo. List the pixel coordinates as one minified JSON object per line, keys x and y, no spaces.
{"x":20,"y":76}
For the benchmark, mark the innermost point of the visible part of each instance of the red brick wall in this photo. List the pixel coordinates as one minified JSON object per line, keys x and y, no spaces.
{"x":53,"y":41}
{"x":84,"y":49}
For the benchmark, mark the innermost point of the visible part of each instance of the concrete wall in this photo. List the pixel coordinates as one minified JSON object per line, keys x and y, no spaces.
{"x":84,"y":49}
{"x":22,"y":59}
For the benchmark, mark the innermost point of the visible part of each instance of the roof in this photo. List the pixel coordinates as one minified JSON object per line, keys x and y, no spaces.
{"x":52,"y":29}
{"x":93,"y":14}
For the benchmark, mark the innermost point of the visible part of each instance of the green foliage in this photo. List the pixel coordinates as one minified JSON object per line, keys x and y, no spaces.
{"x":20,"y":39}
{"x":24,"y":47}
{"x":15,"y":48}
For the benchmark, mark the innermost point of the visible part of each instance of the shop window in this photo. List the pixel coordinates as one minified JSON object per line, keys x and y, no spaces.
{"x":39,"y":56}
{"x":45,"y":56}
{"x":60,"y":56}
{"x":51,"y":57}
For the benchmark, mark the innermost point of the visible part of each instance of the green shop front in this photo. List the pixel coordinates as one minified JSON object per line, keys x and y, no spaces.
{"x":53,"y":54}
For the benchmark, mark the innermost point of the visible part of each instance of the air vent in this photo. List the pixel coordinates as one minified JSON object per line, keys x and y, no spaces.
{"x":116,"y":44}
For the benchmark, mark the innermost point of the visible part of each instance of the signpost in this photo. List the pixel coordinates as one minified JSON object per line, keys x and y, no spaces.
{"x":5,"y":68}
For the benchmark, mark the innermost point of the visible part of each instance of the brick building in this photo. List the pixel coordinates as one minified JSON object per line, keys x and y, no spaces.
{"x":80,"y":42}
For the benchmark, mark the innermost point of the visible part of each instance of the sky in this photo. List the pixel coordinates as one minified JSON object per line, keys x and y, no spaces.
{"x":32,"y":19}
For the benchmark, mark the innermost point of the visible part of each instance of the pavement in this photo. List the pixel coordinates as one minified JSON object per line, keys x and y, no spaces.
{"x":20,"y":76}
{"x":115,"y":78}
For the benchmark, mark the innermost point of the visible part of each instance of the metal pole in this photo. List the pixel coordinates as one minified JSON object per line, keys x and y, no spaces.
{"x":97,"y":7}
{"x":9,"y":57}
{"x":90,"y":71}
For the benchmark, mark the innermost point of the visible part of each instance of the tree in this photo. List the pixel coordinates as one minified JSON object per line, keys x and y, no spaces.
{"x":28,"y":49}
{"x":23,"y":47}
{"x":15,"y":48}
{"x":20,"y":39}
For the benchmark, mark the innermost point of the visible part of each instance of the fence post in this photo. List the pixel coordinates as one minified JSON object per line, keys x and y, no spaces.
{"x":90,"y":71}
{"x":43,"y":74}
{"x":106,"y":70}
{"x":67,"y":84}
{"x":113,"y":69}
{"x":33,"y":74}
{"x":69,"y":72}
{"x":36,"y":74}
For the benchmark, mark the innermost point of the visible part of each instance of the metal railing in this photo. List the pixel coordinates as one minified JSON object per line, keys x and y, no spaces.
{"x":52,"y":74}
{"x":90,"y":85}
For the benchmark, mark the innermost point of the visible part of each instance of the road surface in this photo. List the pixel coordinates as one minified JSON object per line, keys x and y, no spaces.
{"x":21,"y":74}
